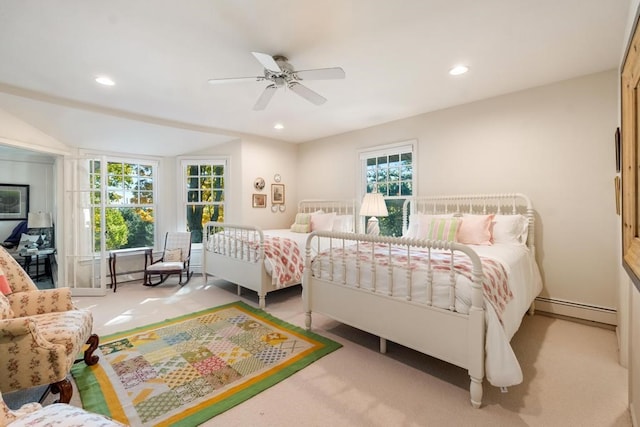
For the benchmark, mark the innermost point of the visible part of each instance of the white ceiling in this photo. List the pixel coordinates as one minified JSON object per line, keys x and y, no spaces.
{"x":396,"y":55}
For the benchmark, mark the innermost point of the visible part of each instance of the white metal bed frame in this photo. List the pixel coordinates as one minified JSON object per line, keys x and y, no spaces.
{"x":245,"y":266}
{"x":459,"y":338}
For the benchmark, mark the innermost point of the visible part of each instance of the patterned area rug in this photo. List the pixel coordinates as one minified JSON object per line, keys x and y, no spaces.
{"x":184,"y":371}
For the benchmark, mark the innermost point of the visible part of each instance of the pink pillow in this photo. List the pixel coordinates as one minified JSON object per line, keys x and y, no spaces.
{"x":475,"y":230}
{"x":5,"y":289}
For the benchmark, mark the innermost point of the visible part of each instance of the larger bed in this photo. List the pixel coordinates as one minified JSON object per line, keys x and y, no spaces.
{"x":460,"y":303}
{"x":266,"y":260}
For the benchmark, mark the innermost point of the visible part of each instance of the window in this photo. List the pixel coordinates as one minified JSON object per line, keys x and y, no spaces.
{"x":129,"y":204}
{"x":204,"y":198}
{"x":391,"y":168}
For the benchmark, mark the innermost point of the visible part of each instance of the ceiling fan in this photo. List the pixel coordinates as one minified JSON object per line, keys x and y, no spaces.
{"x":281,"y":74}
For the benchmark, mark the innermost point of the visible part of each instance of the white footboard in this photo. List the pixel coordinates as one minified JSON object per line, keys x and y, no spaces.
{"x":235,"y":253}
{"x":458,"y":338}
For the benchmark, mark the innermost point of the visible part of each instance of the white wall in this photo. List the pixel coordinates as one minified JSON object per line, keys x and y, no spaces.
{"x":34,"y":167}
{"x":554,"y":143}
{"x":254,"y":157}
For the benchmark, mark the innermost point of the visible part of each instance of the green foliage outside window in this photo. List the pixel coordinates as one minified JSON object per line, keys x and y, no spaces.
{"x":129,"y":214}
{"x":205,"y":197}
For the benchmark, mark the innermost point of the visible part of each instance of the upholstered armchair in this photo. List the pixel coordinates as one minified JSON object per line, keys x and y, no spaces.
{"x":41,"y":333}
{"x":58,"y":414}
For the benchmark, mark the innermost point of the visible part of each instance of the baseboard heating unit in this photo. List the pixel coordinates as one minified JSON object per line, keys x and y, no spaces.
{"x":590,"y":312}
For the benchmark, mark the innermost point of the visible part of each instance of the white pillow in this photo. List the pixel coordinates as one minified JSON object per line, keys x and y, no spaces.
{"x":322,"y":221}
{"x":343,"y":224}
{"x":510,"y":229}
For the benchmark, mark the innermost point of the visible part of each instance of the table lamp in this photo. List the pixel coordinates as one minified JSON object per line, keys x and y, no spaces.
{"x":373,"y":205}
{"x":39,"y":220}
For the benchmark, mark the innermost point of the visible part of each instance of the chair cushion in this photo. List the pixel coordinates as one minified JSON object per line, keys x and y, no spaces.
{"x":69,"y":328}
{"x":165,"y":266}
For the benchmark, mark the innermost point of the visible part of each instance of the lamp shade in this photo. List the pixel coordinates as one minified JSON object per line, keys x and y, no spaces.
{"x":39,"y":220}
{"x":373,"y":205}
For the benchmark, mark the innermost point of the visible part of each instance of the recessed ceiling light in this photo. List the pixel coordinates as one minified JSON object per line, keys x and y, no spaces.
{"x":458,"y":69}
{"x":278,"y":126}
{"x":104,"y":80}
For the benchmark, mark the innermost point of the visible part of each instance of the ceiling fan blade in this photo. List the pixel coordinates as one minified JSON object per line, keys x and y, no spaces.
{"x":307,"y":93}
{"x":321,"y":74}
{"x":267,"y":62}
{"x":235,"y":80}
{"x":265,"y":97}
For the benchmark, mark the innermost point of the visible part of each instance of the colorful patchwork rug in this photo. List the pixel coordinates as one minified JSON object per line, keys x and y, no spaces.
{"x":184,"y":371}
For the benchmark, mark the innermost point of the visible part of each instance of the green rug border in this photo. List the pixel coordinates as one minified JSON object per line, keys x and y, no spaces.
{"x":92,"y":395}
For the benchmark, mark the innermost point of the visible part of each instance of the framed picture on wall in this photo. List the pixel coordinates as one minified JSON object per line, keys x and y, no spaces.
{"x":259,"y":201}
{"x":277,"y":194}
{"x":14,"y":202}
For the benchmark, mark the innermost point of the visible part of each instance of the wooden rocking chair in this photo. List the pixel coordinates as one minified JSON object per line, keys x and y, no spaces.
{"x":175,"y":259}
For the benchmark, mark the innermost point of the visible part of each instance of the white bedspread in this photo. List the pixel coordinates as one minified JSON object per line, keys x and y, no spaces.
{"x":502,"y":367}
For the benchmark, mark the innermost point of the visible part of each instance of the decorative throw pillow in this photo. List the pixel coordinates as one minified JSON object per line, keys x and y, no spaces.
{"x":443,"y":229}
{"x":300,"y":228}
{"x":302,"y":223}
{"x":322,"y":222}
{"x":422,"y":226}
{"x":5,"y":308}
{"x":5,"y":289}
{"x":475,"y":230}
{"x":510,"y":229}
{"x":172,"y":255}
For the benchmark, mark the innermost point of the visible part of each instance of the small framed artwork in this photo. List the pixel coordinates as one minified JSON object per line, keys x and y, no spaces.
{"x":617,"y":149}
{"x":277,"y":194}
{"x":259,"y":200}
{"x":14,"y":202}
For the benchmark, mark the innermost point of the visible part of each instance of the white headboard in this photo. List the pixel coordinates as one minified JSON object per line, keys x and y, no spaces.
{"x":504,"y":203}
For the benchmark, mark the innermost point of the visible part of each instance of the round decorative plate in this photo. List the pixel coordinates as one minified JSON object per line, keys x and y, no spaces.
{"x":277,"y":177}
{"x":282,"y":208}
{"x":259,"y":184}
{"x":274,"y":208}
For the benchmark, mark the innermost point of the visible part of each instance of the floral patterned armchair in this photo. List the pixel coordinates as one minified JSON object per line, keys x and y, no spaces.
{"x":58,"y":414}
{"x":41,"y":333}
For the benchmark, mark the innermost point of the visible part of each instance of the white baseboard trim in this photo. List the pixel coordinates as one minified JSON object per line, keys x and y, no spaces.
{"x":589,"y":312}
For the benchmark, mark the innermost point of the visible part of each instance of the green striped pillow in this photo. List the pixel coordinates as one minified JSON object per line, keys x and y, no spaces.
{"x":443,"y":229}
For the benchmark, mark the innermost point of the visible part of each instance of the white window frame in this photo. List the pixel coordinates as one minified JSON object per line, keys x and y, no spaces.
{"x":154,"y":163}
{"x":387,"y":150}
{"x":182,"y":173}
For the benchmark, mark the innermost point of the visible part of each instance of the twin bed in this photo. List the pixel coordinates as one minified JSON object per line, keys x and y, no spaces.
{"x":459,"y":302}
{"x":236,"y":253}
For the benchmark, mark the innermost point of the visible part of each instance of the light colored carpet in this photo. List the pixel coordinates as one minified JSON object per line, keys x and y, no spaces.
{"x":571,"y":373}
